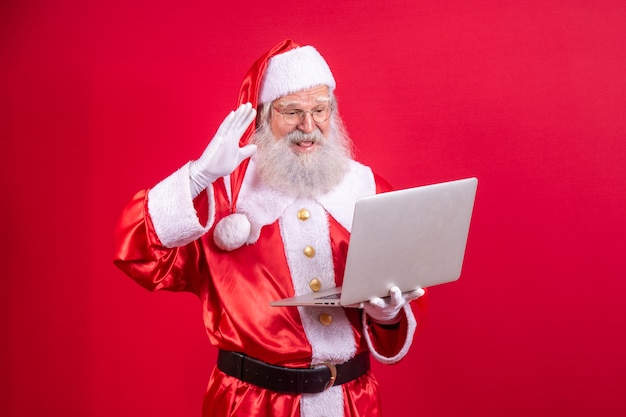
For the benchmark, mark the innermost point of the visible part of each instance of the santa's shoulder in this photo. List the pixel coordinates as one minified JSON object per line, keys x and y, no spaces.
{"x":363,"y":175}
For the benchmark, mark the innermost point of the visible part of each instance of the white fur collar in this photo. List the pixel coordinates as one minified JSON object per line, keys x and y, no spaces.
{"x":264,"y":205}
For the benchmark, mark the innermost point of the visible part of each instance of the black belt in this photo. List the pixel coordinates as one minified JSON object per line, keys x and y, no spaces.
{"x":292,"y":380}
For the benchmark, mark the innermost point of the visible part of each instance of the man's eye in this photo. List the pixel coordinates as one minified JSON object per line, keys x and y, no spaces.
{"x":292,"y":112}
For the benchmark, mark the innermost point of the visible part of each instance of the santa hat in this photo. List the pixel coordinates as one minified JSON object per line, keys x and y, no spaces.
{"x":292,"y":71}
{"x":284,"y":69}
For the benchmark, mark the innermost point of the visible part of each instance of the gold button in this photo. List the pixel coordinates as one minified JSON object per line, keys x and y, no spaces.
{"x":304,"y":214}
{"x":315,"y":284}
{"x":326,"y":319}
{"x":309,"y":252}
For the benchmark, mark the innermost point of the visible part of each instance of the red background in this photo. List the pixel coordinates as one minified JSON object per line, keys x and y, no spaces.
{"x":100,"y":99}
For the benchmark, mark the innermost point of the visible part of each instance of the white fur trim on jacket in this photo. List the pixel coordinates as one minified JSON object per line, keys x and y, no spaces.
{"x":295,"y":70}
{"x":358,"y":182}
{"x":325,"y":404}
{"x":263,"y":205}
{"x":332,"y":342}
{"x":173,"y":214}
{"x":412,"y":325}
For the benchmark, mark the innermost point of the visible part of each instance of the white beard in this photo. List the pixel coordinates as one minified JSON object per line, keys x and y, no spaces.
{"x":307,"y":174}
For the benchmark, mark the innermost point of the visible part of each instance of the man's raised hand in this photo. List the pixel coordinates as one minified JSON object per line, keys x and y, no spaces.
{"x":223,"y":154}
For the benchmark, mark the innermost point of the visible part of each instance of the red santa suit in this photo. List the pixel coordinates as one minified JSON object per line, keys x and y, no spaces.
{"x":166,"y":240}
{"x":163,"y":244}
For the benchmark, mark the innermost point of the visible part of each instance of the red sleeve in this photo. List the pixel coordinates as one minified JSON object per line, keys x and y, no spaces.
{"x":139,"y":253}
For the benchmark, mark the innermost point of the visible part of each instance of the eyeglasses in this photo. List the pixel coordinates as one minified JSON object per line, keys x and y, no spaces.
{"x":296,"y":116}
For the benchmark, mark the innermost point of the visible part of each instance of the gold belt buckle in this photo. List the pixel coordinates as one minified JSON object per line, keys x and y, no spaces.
{"x":333,"y":374}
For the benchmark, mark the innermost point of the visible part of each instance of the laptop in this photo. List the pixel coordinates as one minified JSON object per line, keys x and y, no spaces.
{"x":409,"y":238}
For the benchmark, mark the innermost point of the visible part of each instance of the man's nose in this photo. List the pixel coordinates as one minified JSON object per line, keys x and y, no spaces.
{"x":307,"y":125}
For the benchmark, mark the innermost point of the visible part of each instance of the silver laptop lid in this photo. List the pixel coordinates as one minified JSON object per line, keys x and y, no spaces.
{"x":409,"y":238}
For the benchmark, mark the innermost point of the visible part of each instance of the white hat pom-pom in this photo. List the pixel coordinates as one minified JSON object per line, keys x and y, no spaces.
{"x":232,"y":232}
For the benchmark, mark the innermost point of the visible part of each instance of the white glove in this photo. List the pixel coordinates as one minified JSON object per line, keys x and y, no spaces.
{"x":223,"y":153}
{"x":386,"y":310}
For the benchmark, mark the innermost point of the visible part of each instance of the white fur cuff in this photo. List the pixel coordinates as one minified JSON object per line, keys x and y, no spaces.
{"x":173,"y":214}
{"x":412,"y":325}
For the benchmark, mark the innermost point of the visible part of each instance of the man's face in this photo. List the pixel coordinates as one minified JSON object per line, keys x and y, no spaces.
{"x":311,"y":99}
{"x":297,"y":155}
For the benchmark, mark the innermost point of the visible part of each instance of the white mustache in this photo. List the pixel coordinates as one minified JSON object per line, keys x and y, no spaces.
{"x":297,"y":137}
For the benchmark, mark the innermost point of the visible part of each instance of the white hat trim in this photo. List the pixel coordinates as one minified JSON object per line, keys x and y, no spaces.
{"x":295,"y":70}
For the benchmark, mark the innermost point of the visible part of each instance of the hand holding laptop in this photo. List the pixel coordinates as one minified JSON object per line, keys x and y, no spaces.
{"x":410,"y":239}
{"x":386,"y":310}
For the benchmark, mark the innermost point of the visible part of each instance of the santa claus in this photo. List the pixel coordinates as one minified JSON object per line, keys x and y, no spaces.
{"x":265,"y":213}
